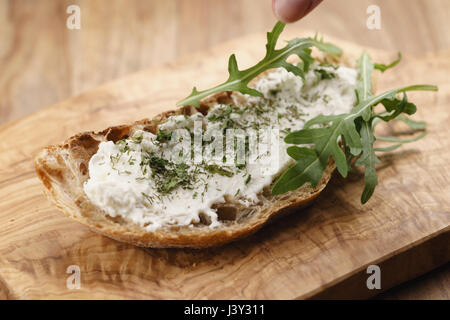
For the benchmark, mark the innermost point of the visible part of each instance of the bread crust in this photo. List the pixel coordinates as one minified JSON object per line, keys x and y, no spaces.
{"x":63,"y":169}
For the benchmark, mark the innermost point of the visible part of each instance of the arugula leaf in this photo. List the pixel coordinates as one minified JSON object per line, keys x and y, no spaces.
{"x":415,"y":125}
{"x":368,"y":159}
{"x":398,"y":145}
{"x":400,"y":141}
{"x":364,"y":85}
{"x":390,"y":148}
{"x":325,"y":145}
{"x":325,"y":46}
{"x":238,"y":79}
{"x":394,"y":107}
{"x":326,"y":141}
{"x":306,"y":169}
{"x":383,"y":67}
{"x":395,"y":139}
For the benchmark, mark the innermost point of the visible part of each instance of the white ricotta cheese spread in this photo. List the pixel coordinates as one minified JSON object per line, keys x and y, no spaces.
{"x":137,"y":179}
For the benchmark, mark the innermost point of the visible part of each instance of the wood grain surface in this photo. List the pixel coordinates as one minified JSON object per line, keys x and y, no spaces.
{"x":307,"y":254}
{"x":432,"y":286}
{"x":43,"y":62}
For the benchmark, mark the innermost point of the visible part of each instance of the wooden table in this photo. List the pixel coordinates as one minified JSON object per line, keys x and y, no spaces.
{"x":43,"y":62}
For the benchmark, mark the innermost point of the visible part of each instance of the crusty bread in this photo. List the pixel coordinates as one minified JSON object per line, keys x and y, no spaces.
{"x":63,"y":169}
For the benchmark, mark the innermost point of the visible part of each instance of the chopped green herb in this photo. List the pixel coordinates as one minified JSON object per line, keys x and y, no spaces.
{"x":163,"y":135}
{"x":147,"y":197}
{"x":123,"y":146}
{"x":168,"y":175}
{"x":324,"y":74}
{"x":294,"y":112}
{"x":137,"y":140}
{"x":215,"y":169}
{"x":274,"y":92}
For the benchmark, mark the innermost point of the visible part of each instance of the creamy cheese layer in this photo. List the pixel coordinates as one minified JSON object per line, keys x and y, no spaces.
{"x":140,"y":179}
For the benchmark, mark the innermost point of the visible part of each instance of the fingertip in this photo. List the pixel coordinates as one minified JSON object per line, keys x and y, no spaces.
{"x":289,"y":11}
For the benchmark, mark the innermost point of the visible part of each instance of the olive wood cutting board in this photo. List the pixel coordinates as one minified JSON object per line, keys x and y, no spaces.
{"x":319,"y":252}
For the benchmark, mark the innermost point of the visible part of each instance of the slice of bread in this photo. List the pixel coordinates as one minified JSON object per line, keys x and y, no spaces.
{"x":63,"y":169}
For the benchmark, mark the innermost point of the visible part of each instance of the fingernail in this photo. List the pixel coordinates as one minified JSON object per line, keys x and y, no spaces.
{"x":277,"y":4}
